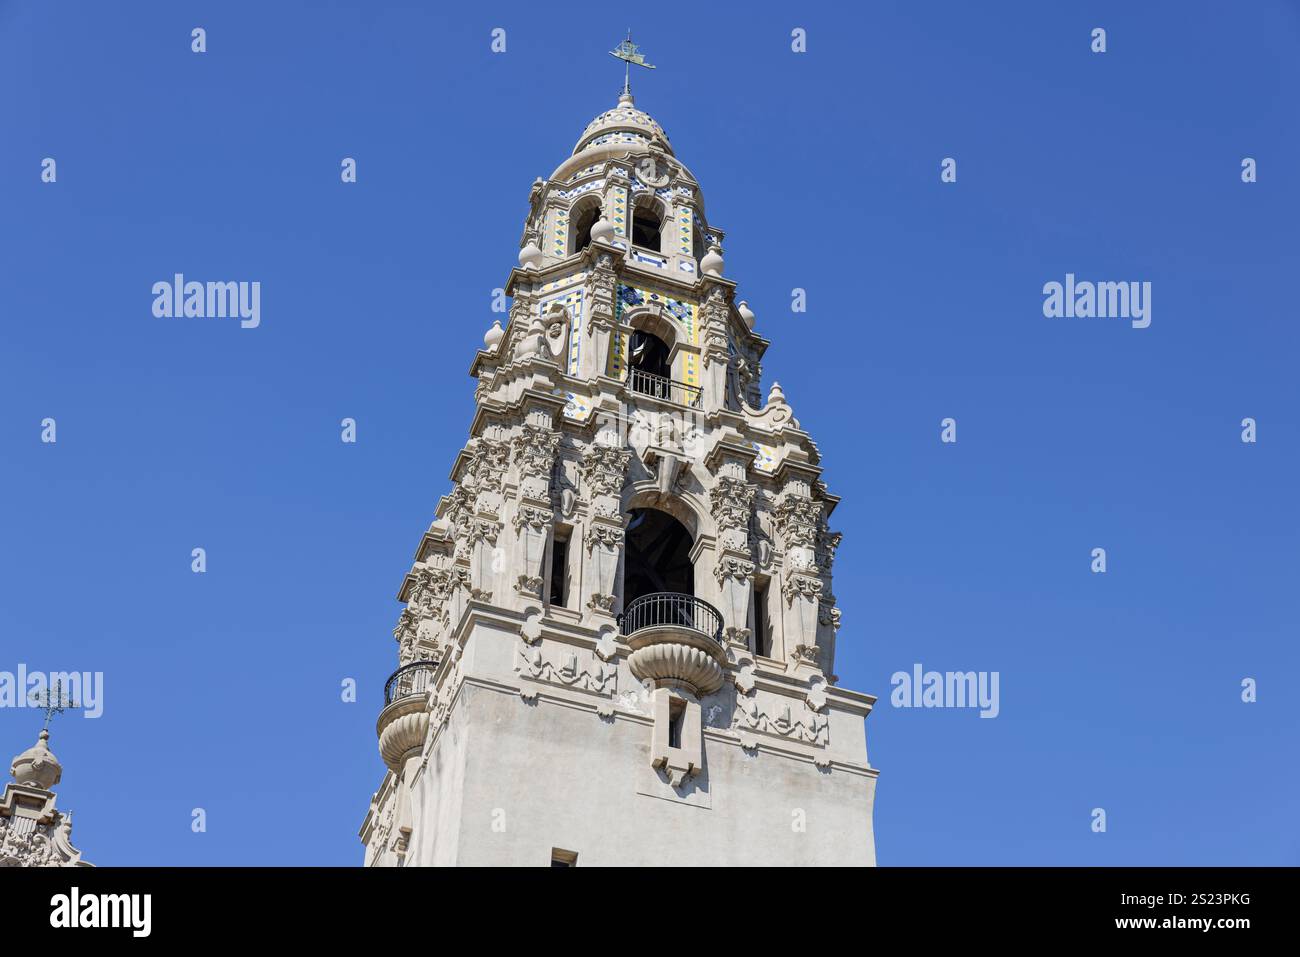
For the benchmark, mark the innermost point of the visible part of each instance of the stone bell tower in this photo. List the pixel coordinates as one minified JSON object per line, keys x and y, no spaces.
{"x":618,"y":636}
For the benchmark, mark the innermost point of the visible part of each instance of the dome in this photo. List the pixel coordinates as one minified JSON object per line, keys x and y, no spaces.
{"x":37,"y":766}
{"x":623,"y":124}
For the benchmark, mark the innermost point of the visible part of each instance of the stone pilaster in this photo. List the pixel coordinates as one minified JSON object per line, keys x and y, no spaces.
{"x":716,"y":357}
{"x":602,"y":284}
{"x":534,"y":455}
{"x":798,"y":516}
{"x":489,"y":460}
{"x":604,"y":470}
{"x":732,"y":501}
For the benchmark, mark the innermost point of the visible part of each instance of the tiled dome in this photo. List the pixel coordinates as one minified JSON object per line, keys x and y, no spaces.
{"x":623,"y":123}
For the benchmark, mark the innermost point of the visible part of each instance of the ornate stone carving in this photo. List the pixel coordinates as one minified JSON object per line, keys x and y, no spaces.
{"x":600,"y":534}
{"x":405,"y":634}
{"x":533,"y":516}
{"x":732,"y":502}
{"x":601,"y":603}
{"x":733,"y":569}
{"x":604,"y":470}
{"x":784,"y":717}
{"x":556,"y":330}
{"x":827,"y":543}
{"x":488,"y":461}
{"x":796,"y":520}
{"x":800,"y":586}
{"x":484,"y":530}
{"x":828,"y":614}
{"x":534,"y":451}
{"x":530,"y":585}
{"x":565,"y":665}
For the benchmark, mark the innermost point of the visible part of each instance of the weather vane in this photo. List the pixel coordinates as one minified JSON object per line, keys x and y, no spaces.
{"x":627,"y":52}
{"x":52,"y":701}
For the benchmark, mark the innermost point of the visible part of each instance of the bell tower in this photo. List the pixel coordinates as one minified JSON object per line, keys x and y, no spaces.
{"x":618,"y":636}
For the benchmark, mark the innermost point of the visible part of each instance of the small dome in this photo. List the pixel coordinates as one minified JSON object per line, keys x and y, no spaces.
{"x":493,"y":336}
{"x":530,"y":257}
{"x":37,"y":766}
{"x":624,"y":123}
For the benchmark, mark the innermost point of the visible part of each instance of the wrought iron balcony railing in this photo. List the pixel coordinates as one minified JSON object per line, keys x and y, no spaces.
{"x":671,"y":608}
{"x":660,"y":387}
{"x":415,"y":678}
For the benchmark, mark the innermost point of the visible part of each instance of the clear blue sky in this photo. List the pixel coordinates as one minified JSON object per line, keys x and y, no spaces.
{"x":1119,"y":691}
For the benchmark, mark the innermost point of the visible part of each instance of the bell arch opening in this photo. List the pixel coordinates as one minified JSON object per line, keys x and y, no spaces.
{"x":647,"y":226}
{"x":649,"y":353}
{"x":581,"y":218}
{"x":649,"y":368}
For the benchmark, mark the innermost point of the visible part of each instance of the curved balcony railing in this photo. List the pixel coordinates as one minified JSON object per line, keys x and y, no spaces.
{"x":659,"y":387}
{"x":671,"y":608}
{"x":415,"y":678}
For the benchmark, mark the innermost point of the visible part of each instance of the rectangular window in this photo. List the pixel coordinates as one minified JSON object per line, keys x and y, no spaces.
{"x":560,"y":572}
{"x":676,"y":718}
{"x":563,"y":858}
{"x":762,"y":639}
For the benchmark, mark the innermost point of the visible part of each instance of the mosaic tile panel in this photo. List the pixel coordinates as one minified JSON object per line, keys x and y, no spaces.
{"x":685,"y":226}
{"x":585,"y":171}
{"x":620,"y":138}
{"x":618,"y":200}
{"x":576,"y":407}
{"x":560,"y":235}
{"x":564,"y":281}
{"x":580,"y":190}
{"x":650,"y":259}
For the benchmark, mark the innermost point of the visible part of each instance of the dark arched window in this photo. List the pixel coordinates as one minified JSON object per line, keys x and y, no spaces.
{"x":658,"y":556}
{"x":583,"y":219}
{"x":647,"y":226}
{"x":648,"y":370}
{"x":647,"y":352}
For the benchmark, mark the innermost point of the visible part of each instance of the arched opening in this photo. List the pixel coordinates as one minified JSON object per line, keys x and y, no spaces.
{"x":658,"y":556}
{"x":698,"y":248}
{"x":581,"y":219}
{"x":647,"y":226}
{"x":647,"y":352}
{"x":648,"y":368}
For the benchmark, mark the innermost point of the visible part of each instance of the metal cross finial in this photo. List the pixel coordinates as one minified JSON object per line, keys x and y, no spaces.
{"x":52,"y":701}
{"x":627,"y":52}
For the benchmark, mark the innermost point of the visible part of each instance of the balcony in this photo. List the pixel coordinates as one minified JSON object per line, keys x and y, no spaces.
{"x":404,"y":722}
{"x":415,"y":678}
{"x":676,"y":642}
{"x":673,"y":609}
{"x":661,"y":387}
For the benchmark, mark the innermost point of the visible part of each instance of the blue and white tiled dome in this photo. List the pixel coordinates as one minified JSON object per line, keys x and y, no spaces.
{"x":623,"y":124}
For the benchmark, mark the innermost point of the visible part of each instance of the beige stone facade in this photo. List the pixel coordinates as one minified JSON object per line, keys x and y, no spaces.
{"x":618,"y":637}
{"x":33,"y":831}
